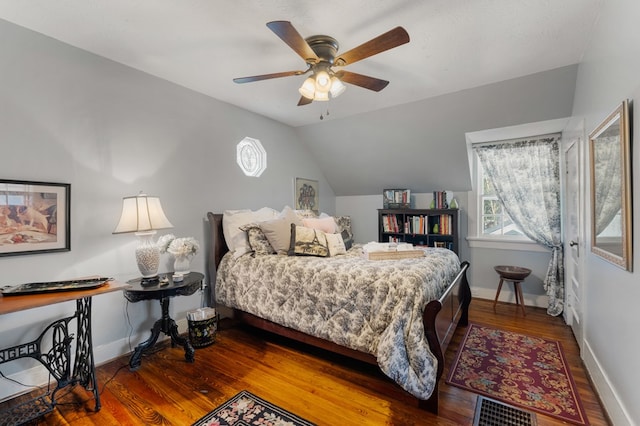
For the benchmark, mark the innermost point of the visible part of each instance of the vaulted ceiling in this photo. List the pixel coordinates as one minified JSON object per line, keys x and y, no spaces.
{"x":454,"y":48}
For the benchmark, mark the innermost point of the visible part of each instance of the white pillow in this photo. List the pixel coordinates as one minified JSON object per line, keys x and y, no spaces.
{"x":232,"y":220}
{"x":336,"y":244}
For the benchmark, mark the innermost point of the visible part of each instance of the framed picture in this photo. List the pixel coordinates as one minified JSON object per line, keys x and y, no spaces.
{"x":34,"y":217}
{"x":306,"y":195}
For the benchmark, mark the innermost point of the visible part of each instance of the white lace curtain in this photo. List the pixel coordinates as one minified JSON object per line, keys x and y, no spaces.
{"x":526,"y":177}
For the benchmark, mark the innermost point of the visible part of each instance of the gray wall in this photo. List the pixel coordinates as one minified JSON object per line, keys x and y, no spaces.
{"x":111,"y":131}
{"x":422,"y":145}
{"x":609,"y":73}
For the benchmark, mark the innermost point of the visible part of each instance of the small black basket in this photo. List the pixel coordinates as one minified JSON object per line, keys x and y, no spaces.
{"x":202,"y":333}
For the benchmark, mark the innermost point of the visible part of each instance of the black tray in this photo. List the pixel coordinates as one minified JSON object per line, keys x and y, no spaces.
{"x":47,"y":287}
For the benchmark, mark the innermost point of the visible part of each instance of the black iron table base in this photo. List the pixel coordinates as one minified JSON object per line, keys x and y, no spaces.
{"x":168,"y":326}
{"x":163,"y":290}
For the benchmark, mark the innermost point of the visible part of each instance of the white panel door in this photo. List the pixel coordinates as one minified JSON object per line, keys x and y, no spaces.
{"x":573,"y":245}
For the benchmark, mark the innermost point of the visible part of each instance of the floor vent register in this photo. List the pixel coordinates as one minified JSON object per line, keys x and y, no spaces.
{"x":490,"y":412}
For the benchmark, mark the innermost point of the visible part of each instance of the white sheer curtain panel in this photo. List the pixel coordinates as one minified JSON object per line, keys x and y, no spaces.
{"x":526,"y":177}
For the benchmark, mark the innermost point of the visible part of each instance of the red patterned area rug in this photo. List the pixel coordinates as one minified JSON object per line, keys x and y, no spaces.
{"x":526,"y":371}
{"x":246,"y":409}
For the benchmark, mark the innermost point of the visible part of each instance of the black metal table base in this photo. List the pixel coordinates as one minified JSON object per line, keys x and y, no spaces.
{"x":53,"y":350}
{"x":169,"y":327}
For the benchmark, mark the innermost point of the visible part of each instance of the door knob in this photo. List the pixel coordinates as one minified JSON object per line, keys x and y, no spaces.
{"x":573,"y":243}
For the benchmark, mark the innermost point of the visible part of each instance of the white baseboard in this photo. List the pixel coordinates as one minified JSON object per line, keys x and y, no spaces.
{"x":39,"y":375}
{"x":604,"y":389}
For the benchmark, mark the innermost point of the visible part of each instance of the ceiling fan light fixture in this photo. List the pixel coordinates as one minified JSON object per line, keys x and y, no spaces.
{"x":323,"y":81}
{"x":321,"y":96}
{"x":308,"y":88}
{"x":337,"y":87}
{"x":320,"y":54}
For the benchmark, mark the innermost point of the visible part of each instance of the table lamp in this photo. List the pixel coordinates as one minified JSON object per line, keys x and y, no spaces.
{"x":143,"y":215}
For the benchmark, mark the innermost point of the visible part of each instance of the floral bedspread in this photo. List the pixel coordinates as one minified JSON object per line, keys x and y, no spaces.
{"x":374,"y":306}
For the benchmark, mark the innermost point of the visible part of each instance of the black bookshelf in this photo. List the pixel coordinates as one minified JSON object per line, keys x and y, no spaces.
{"x":420,"y":227}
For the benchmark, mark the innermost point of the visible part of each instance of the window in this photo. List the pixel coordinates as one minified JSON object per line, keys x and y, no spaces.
{"x":494,"y":220}
{"x":251,"y":157}
{"x":489,"y":225}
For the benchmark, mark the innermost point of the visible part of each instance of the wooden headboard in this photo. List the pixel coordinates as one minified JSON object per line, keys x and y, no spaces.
{"x":217,"y":247}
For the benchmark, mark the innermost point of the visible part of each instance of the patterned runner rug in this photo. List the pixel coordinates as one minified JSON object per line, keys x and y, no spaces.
{"x":526,"y":371}
{"x":247,"y":409}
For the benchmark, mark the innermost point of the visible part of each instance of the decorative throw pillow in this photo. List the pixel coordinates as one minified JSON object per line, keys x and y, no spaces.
{"x":232,"y":220}
{"x":257,"y":240}
{"x":336,"y":244}
{"x":325,"y":224}
{"x":344,"y":228}
{"x":278,"y":233}
{"x":308,"y":242}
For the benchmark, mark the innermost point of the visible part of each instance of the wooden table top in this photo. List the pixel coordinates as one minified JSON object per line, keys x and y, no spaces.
{"x":10,"y":304}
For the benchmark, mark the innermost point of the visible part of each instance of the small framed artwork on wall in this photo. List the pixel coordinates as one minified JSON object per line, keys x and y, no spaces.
{"x":34,"y":217}
{"x":306,"y":194}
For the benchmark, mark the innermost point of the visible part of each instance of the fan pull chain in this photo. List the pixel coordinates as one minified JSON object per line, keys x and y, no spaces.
{"x":327,"y":114}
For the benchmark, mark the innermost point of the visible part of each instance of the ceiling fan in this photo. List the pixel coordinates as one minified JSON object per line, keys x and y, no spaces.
{"x":319,"y":52}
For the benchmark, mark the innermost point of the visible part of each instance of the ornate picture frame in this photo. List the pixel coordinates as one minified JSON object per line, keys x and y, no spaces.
{"x":34,"y":217}
{"x":611,"y":200}
{"x":306,"y":195}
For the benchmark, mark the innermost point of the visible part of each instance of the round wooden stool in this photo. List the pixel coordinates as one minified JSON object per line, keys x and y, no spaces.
{"x":516,"y":275}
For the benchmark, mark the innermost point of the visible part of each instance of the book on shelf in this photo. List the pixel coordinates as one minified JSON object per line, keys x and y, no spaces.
{"x":390,"y":223}
{"x":396,"y":198}
{"x":440,"y":200}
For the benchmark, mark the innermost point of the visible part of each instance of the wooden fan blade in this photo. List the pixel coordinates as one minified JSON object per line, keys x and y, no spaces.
{"x":294,"y":40}
{"x":361,"y":80}
{"x":304,"y":101}
{"x":267,"y":76}
{"x":386,"y":41}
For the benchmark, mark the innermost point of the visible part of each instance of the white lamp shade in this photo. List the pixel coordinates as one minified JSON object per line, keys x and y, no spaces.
{"x":323,"y":81}
{"x":337,"y":87}
{"x":308,"y":88}
{"x":321,"y":96}
{"x":141,"y":213}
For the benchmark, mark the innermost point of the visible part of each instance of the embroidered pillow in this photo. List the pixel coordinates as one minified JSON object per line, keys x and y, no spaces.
{"x":308,"y":242}
{"x":344,"y":228}
{"x":257,"y":240}
{"x":336,"y":244}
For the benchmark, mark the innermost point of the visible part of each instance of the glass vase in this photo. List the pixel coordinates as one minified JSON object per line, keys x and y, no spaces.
{"x":182,"y":264}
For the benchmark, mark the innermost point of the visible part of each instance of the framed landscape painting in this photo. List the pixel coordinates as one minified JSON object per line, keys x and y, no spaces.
{"x":34,"y":217}
{"x":307,"y":196}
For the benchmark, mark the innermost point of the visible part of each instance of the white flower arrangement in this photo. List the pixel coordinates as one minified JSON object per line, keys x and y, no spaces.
{"x":184,"y":246}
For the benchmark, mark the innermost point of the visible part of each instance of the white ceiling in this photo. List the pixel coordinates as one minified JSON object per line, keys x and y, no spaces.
{"x":204,"y":44}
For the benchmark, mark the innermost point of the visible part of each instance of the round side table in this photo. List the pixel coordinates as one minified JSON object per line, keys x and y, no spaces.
{"x":163,"y":291}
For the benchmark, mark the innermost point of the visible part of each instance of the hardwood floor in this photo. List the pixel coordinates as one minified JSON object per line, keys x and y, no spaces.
{"x":321,"y":387}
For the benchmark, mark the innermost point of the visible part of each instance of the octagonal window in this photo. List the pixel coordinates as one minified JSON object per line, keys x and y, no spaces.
{"x":251,"y":157}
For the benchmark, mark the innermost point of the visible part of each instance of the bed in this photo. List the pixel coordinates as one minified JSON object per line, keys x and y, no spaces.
{"x":405,"y":336}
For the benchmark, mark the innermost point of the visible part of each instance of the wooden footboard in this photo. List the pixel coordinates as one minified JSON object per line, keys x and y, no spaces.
{"x":440,"y":317}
